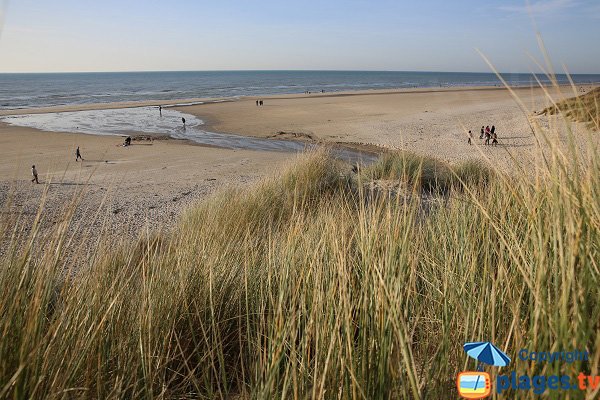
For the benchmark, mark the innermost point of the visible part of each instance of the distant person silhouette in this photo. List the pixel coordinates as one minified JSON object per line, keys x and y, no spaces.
{"x":127,"y":141}
{"x":34,"y":174}
{"x":183,"y":120}
{"x":160,"y":110}
{"x":78,"y":155}
{"x":481,"y":135}
{"x":470,"y":135}
{"x":257,"y":103}
{"x":493,"y":130}
{"x":260,"y":102}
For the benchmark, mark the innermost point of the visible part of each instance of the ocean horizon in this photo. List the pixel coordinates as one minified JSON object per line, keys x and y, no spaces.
{"x":32,"y":90}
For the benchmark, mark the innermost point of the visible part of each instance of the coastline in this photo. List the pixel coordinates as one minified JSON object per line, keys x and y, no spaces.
{"x":185,"y":102}
{"x":364,"y":120}
{"x":152,"y":183}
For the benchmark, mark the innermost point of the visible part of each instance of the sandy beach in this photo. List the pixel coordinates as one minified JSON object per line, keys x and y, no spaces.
{"x":434,"y":122}
{"x":151,"y":182}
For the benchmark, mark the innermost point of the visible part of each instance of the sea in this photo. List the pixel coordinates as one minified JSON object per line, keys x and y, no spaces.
{"x":60,"y":89}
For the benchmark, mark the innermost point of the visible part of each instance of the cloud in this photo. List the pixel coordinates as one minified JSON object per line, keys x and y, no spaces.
{"x":541,"y":6}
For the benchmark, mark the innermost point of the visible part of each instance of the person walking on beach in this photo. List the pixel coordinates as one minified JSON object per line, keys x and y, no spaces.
{"x":256,"y":103}
{"x":493,"y":130}
{"x":34,"y":174}
{"x":481,"y":135}
{"x":487,"y":135}
{"x":261,"y":103}
{"x":160,"y":110}
{"x":183,"y":120}
{"x":494,"y":138}
{"x":78,"y":155}
{"x":470,"y":136}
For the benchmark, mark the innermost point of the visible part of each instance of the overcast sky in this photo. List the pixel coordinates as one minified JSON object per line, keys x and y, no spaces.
{"x":428,"y":35}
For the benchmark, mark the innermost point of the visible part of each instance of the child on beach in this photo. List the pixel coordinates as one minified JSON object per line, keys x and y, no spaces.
{"x":470,"y":136}
{"x":34,"y":174}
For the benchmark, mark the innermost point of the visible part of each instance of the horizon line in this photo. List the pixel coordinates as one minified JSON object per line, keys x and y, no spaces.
{"x":287,"y":70}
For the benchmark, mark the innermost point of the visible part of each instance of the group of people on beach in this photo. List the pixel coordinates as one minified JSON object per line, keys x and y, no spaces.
{"x":488,"y":134}
{"x":259,"y":102}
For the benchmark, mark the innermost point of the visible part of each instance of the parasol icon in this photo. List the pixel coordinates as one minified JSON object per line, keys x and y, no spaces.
{"x":487,"y":353}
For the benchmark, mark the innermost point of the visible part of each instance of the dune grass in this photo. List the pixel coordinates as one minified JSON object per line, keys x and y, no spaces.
{"x":428,"y":174}
{"x":583,"y":108}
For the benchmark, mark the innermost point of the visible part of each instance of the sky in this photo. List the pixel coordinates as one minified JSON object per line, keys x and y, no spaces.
{"x":173,"y":35}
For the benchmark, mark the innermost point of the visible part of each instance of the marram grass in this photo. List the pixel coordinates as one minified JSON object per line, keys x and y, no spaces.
{"x":308,"y":286}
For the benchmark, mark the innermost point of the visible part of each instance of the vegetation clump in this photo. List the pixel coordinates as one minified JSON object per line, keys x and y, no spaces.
{"x":584,"y":108}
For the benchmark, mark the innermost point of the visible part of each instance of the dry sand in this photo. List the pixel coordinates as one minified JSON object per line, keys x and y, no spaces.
{"x":432,"y":122}
{"x":150,"y":183}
